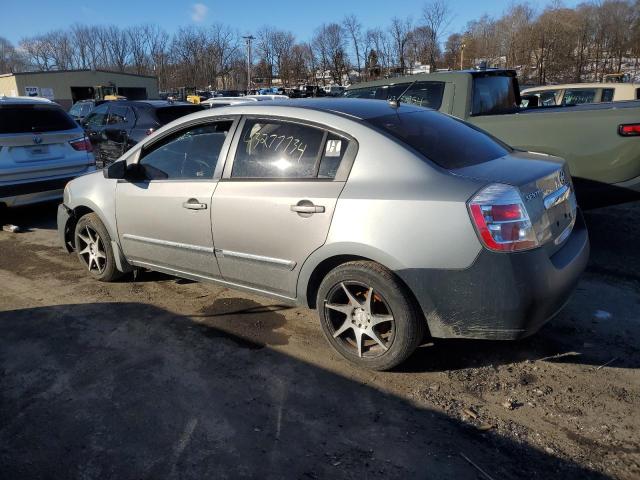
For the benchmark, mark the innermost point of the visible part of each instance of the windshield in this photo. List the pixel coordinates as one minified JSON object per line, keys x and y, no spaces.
{"x":444,"y":140}
{"x":34,"y":118}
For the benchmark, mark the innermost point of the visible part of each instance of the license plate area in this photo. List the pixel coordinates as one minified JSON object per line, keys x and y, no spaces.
{"x":38,"y":150}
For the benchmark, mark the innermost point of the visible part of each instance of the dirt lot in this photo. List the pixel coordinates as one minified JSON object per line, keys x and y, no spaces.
{"x":165,"y":378}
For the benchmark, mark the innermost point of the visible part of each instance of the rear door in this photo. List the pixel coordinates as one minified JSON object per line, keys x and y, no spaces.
{"x":274,"y":206}
{"x":35,"y":143}
{"x":164,"y":217}
{"x":94,"y":125}
{"x":120,"y":121}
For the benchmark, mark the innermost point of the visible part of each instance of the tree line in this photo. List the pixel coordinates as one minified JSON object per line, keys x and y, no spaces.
{"x":555,"y":44}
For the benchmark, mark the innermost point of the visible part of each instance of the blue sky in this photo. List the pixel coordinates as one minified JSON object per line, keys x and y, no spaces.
{"x":19,"y":18}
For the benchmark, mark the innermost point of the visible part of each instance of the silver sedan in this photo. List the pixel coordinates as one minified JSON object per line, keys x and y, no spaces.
{"x":393,"y":221}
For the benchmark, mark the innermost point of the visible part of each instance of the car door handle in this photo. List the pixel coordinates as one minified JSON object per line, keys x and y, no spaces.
{"x":307,"y":208}
{"x":194,"y":204}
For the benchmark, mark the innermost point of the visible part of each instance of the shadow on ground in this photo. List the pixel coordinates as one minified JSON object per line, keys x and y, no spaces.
{"x":127,"y":390}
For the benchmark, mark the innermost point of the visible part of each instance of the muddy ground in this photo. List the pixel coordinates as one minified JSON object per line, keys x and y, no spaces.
{"x":166,"y":378}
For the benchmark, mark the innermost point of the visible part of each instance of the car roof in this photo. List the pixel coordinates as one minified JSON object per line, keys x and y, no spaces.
{"x":562,"y":86}
{"x":150,"y":103}
{"x":4,"y":100}
{"x":359,"y":108}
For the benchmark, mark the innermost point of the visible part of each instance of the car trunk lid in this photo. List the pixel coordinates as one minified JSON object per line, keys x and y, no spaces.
{"x":546,"y":189}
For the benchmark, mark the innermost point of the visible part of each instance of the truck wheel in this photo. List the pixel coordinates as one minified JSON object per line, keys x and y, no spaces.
{"x":367,"y":315}
{"x":93,"y":246}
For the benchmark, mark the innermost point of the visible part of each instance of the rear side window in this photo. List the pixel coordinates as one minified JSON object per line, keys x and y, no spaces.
{"x":375,"y":93}
{"x":445,"y":141}
{"x":637,"y":93}
{"x":579,"y":96}
{"x":34,"y":118}
{"x":121,"y":116}
{"x":278,"y":149}
{"x":607,"y":95}
{"x":493,"y":94}
{"x":169,"y":114}
{"x":425,"y":94}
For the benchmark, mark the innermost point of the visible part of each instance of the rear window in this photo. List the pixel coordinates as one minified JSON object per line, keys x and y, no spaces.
{"x":34,"y":118}
{"x":493,"y":94}
{"x":579,"y":96}
{"x":445,"y":141}
{"x":169,"y":114}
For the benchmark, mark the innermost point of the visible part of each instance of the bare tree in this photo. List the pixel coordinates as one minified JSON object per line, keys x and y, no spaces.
{"x":437,"y":17}
{"x":353,"y":27}
{"x":400,"y":31}
{"x":10,"y":60}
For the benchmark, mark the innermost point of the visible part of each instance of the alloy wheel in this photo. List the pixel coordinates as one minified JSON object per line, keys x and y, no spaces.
{"x":360,"y":319}
{"x":91,"y":250}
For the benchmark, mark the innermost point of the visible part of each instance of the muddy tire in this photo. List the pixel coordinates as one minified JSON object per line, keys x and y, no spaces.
{"x":93,"y":247}
{"x":367,"y":315}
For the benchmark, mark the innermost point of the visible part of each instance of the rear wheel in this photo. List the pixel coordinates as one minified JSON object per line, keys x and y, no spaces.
{"x":367,"y":315}
{"x":93,"y":246}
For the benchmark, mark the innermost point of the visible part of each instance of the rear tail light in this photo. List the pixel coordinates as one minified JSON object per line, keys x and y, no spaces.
{"x":81,"y":144}
{"x":501,"y":219}
{"x":630,"y":130}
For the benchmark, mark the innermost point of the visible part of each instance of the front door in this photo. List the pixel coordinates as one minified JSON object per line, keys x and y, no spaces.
{"x":94,"y":124}
{"x":164,"y":216}
{"x":274,"y":206}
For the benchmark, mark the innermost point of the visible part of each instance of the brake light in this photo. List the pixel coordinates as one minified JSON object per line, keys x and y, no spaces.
{"x":82,"y":144}
{"x":501,"y":219}
{"x":630,"y":130}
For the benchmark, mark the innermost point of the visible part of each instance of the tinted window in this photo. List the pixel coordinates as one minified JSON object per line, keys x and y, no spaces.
{"x":607,"y":95}
{"x":169,"y":114}
{"x":276,"y":149}
{"x":493,"y":94}
{"x":120,"y":115}
{"x":379,"y":93}
{"x":98,"y":116}
{"x":637,"y":93}
{"x":425,"y":94}
{"x":448,"y":142}
{"x":34,"y":118}
{"x":576,"y":97}
{"x":189,"y":154}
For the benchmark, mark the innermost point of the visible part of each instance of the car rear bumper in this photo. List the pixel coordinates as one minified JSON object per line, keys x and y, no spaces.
{"x":501,"y":296}
{"x":44,"y":190}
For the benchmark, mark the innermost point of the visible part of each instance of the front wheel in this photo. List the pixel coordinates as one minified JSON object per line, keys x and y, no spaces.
{"x":367,"y":315}
{"x":93,"y":246}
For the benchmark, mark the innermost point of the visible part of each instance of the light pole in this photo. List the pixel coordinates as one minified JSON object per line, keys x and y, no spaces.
{"x":462,"y":56}
{"x":248,"y":39}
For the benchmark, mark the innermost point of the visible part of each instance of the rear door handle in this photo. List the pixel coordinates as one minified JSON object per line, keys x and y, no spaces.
{"x":307,"y":208}
{"x":194,"y":204}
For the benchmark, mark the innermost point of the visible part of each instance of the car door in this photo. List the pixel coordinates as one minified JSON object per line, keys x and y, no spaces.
{"x":116,"y":132}
{"x":94,"y":125}
{"x":274,"y":205}
{"x":164,"y":214}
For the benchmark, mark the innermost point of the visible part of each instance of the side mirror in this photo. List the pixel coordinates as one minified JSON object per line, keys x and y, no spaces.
{"x":117,"y":170}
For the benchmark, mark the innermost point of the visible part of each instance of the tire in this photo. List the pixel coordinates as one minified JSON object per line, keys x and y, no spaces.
{"x":364,"y":299}
{"x":93,"y":247}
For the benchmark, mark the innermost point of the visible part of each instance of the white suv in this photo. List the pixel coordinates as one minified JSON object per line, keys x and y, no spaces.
{"x":41,"y":149}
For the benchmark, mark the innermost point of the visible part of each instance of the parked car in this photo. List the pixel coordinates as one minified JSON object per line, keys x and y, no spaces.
{"x":601,"y":142}
{"x":388,"y":220}
{"x":41,"y":149}
{"x":218,"y":102}
{"x":114,"y":127}
{"x":81,"y":109}
{"x":579,"y":93}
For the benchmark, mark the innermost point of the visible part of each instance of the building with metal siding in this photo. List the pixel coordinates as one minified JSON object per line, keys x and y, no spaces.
{"x":68,"y":86}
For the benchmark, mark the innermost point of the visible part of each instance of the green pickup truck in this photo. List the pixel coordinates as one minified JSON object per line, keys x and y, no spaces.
{"x":601,"y":142}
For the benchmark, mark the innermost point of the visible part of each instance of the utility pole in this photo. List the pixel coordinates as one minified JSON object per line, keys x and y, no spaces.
{"x":248,"y":39}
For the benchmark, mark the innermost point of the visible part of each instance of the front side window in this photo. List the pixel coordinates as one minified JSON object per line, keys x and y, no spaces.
{"x":120,"y":115}
{"x":579,"y":96}
{"x":278,"y":149}
{"x":190,"y":154}
{"x":98,"y":116}
{"x":425,"y":94}
{"x":547,"y":98}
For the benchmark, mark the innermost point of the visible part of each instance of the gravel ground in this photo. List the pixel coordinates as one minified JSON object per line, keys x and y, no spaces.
{"x":166,"y":378}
